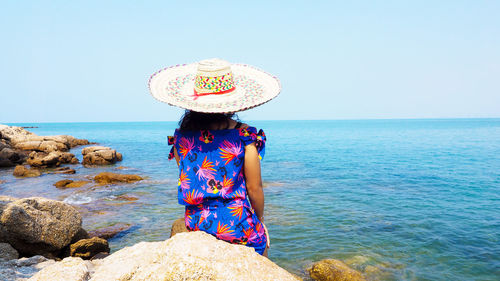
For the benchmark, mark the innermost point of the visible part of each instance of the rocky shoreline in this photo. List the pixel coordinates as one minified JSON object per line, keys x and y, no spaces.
{"x":48,"y":235}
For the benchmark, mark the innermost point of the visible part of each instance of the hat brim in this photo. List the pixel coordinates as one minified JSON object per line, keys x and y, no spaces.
{"x":175,"y":85}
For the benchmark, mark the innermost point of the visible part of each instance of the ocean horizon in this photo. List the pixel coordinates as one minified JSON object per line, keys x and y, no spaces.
{"x":411,"y":199}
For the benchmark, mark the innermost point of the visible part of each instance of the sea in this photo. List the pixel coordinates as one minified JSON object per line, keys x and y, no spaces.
{"x":411,"y":199}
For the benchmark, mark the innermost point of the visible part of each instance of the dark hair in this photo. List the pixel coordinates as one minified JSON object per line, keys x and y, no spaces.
{"x":192,"y":120}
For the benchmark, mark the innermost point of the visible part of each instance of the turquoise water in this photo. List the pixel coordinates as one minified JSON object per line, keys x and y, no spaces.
{"x":397,"y":199}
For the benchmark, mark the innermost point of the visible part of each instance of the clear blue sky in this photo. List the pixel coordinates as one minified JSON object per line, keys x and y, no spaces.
{"x":64,"y":61}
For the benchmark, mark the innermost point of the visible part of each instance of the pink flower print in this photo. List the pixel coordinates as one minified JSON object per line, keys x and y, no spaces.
{"x":206,"y":170}
{"x":205,"y":213}
{"x":185,"y":146}
{"x":229,"y":151}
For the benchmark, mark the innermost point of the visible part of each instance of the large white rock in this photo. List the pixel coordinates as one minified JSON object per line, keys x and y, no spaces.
{"x":186,"y":256}
{"x":69,"y":269}
{"x":20,"y":269}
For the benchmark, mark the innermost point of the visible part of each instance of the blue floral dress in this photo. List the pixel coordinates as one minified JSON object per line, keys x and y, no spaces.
{"x":212,"y":184}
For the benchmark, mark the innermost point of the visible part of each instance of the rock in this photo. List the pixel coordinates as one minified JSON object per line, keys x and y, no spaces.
{"x":19,"y":269}
{"x":108,"y":178}
{"x":52,"y":159}
{"x":62,"y":183}
{"x":22,"y":171}
{"x":37,"y":226}
{"x":100,"y":155}
{"x":334,"y":270}
{"x":74,"y":269}
{"x":178,"y":226}
{"x":41,"y":145}
{"x":10,"y":157}
{"x":87,"y":248}
{"x":125,"y":197}
{"x":186,"y":256}
{"x":16,"y":143}
{"x":62,"y":170}
{"x":70,"y":183}
{"x":110,"y":231}
{"x":7,"y":252}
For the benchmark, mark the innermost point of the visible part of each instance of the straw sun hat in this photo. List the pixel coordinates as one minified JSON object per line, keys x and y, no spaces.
{"x":214,"y":86}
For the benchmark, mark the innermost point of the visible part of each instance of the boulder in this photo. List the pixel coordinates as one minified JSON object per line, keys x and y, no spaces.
{"x":69,"y":269}
{"x":22,"y":171}
{"x":87,"y":248}
{"x":334,"y":270}
{"x":52,"y":159}
{"x":178,"y":226}
{"x":186,"y":256}
{"x":100,"y":155}
{"x":37,"y":226}
{"x":70,"y":183}
{"x":110,"y":231}
{"x":20,"y":269}
{"x":7,"y":252}
{"x":10,"y":157}
{"x":109,"y":178}
{"x":16,"y":143}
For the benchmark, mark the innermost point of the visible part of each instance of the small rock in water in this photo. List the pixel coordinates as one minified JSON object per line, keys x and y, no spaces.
{"x":87,"y":248}
{"x":100,"y":155}
{"x":108,"y":178}
{"x":62,"y":170}
{"x":178,"y":226}
{"x":70,"y":183}
{"x":127,"y":197}
{"x":7,"y":252}
{"x":334,"y":270}
{"x":110,"y":231}
{"x":22,"y":171}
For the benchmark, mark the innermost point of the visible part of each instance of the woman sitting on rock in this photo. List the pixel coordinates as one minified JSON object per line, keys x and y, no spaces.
{"x":219,"y":158}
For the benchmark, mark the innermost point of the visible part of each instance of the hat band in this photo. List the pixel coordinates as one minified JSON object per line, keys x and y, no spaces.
{"x":199,"y":94}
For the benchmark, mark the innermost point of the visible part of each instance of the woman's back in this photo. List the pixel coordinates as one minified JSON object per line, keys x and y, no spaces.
{"x":212,"y":183}
{"x":211,"y":162}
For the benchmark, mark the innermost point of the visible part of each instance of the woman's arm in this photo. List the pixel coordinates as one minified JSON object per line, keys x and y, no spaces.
{"x":254,"y":180}
{"x":177,"y":158}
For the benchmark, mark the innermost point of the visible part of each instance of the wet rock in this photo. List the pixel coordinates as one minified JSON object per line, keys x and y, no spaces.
{"x":334,"y":270}
{"x":110,"y":231}
{"x":125,"y":197}
{"x":71,"y":268}
{"x":87,"y":248}
{"x":109,"y":178}
{"x":7,"y":252}
{"x":52,"y":159}
{"x":22,"y":171}
{"x":19,"y":269}
{"x":178,"y":226}
{"x":70,"y":183}
{"x":100,"y":155}
{"x":62,"y":170}
{"x":37,"y":226}
{"x":62,"y":183}
{"x":186,"y":256}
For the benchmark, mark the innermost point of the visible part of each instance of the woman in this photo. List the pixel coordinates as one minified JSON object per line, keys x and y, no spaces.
{"x":218,"y":157}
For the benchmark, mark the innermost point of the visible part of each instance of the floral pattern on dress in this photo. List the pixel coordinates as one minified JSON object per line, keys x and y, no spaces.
{"x":212,"y":184}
